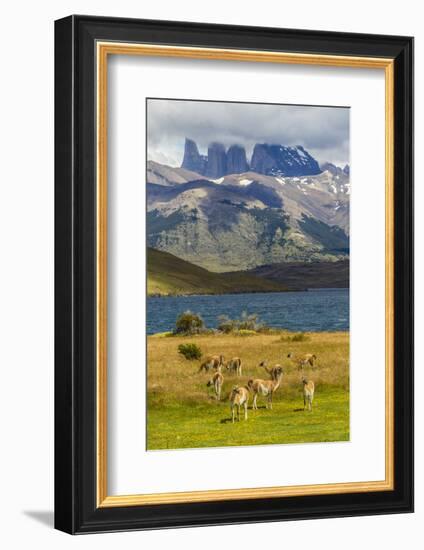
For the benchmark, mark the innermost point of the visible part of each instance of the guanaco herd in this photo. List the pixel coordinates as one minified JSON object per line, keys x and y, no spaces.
{"x":239,"y":396}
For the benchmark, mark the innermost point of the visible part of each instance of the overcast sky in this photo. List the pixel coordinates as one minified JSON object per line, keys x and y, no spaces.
{"x":323,"y":131}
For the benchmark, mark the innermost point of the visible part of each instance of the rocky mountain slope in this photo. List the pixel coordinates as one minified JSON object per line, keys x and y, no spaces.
{"x":165,"y":175}
{"x":243,"y":220}
{"x":267,"y":159}
{"x":278,"y":160}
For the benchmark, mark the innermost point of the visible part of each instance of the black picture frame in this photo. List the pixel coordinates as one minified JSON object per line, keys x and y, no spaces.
{"x":76,"y":510}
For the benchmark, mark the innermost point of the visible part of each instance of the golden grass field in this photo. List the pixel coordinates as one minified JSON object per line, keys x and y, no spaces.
{"x":183,"y":413}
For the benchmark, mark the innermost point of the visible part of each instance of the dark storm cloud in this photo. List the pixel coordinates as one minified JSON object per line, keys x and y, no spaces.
{"x":323,"y":131}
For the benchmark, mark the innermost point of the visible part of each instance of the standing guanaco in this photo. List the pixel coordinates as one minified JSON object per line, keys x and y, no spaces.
{"x":266,"y":388}
{"x":234,"y":365}
{"x":274,"y":372}
{"x":303,"y":360}
{"x":308,"y":393}
{"x":212,"y":362}
{"x":239,"y":396}
{"x":216,"y":381}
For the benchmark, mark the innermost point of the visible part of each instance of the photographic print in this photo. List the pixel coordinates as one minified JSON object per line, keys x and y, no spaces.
{"x":247,"y":273}
{"x":205,"y":304}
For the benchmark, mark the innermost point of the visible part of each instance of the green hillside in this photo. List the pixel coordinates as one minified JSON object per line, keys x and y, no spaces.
{"x":298,"y":276}
{"x":169,"y":275}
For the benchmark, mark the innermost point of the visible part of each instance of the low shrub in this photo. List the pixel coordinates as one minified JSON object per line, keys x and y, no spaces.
{"x":190,"y":351}
{"x":268,"y":330}
{"x":189,"y":323}
{"x":227,"y":325}
{"x":245,"y":332}
{"x":247,"y":321}
{"x":298,"y":337}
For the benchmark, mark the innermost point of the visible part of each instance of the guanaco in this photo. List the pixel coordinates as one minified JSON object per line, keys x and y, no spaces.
{"x":267,"y":388}
{"x":239,"y":396}
{"x":274,"y":372}
{"x":212,"y":362}
{"x":234,"y":365}
{"x":308,"y":393}
{"x":216,"y":381}
{"x":303,"y":360}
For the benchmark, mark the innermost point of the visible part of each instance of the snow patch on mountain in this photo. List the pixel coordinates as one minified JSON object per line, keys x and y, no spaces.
{"x":245,"y":182}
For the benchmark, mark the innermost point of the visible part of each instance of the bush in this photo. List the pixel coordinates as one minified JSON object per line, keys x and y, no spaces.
{"x":268,"y":330}
{"x":245,"y":332}
{"x":189,"y":323}
{"x":227,"y":325}
{"x":247,"y":322}
{"x":190,"y":351}
{"x":298,"y":337}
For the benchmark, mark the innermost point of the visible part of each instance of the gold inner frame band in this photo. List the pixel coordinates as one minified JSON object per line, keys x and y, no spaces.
{"x":104,"y":49}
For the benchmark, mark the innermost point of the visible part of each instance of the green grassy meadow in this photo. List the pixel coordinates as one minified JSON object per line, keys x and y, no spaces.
{"x":183,"y":413}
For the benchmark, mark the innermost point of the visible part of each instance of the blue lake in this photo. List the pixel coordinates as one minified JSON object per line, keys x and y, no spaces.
{"x":313,"y":310}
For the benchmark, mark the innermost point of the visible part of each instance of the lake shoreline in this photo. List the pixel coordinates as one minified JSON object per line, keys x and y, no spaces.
{"x":299,"y":311}
{"x":183,"y":295}
{"x":274,"y":331}
{"x":186,"y":294}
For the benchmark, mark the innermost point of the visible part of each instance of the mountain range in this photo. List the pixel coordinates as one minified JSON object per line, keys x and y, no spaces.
{"x":239,"y":221}
{"x":267,"y":159}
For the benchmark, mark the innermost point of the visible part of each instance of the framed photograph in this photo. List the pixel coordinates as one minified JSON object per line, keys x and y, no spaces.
{"x":233,"y":272}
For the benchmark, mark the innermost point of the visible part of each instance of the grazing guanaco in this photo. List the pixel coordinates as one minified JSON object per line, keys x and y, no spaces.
{"x":308,"y":393}
{"x":239,"y":397}
{"x":216,"y":381}
{"x":303,"y":360}
{"x":212,"y":362}
{"x":267,"y":388}
{"x":274,"y":372}
{"x":234,"y":365}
